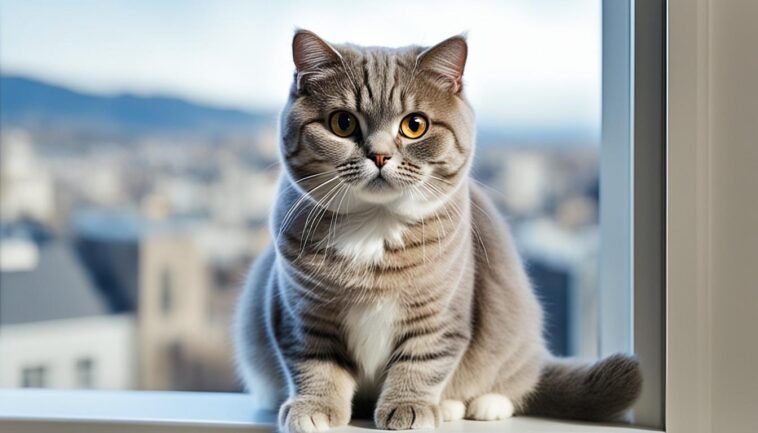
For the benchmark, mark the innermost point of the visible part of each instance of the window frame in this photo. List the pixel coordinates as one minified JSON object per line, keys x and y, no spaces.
{"x":689,"y":278}
{"x":633,"y":194}
{"x":78,"y":411}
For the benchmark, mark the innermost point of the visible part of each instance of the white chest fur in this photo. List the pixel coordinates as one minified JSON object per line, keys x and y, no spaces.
{"x":362,"y":237}
{"x":370,"y":335}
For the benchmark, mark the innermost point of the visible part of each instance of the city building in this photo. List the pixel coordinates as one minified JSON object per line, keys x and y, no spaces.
{"x":25,"y":185}
{"x":56,"y":330}
{"x":181,"y":345}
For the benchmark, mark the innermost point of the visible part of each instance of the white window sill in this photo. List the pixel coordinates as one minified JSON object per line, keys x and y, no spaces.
{"x":46,"y":411}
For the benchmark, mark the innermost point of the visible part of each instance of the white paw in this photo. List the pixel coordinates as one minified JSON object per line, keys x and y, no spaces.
{"x":304,"y":415}
{"x":318,"y":422}
{"x":452,"y":410}
{"x":489,"y":407}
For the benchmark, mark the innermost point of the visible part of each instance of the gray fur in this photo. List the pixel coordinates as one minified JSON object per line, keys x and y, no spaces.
{"x":424,"y":249}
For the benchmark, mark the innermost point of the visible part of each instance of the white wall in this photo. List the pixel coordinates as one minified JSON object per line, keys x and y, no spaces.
{"x":734,"y":227}
{"x":712,"y":375}
{"x":107,"y":340}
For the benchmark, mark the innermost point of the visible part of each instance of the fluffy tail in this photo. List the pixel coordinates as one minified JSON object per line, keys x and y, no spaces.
{"x":598,"y":392}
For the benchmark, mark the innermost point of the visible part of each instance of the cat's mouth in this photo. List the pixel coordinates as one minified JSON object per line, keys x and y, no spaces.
{"x":378,"y":183}
{"x":378,"y":190}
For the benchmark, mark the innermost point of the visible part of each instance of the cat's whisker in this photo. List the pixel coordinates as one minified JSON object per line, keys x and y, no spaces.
{"x":319,"y":209}
{"x":474,"y":226}
{"x":325,"y":240}
{"x":489,"y":187}
{"x":439,"y":225}
{"x":325,"y":208}
{"x":440,"y":179}
{"x":346,"y":190}
{"x":314,"y":208}
{"x":302,"y":179}
{"x":289,"y":216}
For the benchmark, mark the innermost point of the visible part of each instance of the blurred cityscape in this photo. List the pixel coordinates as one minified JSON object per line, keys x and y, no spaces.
{"x":127,"y":224}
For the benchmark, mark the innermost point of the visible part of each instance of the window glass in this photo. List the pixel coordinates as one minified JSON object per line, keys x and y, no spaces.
{"x":34,"y":377}
{"x":166,"y":292}
{"x":136,"y":134}
{"x":85,"y":373}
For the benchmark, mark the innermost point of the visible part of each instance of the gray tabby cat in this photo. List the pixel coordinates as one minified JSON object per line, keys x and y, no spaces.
{"x":392,"y":280}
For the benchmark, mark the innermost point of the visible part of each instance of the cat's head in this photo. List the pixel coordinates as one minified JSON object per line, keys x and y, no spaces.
{"x":381,"y":126}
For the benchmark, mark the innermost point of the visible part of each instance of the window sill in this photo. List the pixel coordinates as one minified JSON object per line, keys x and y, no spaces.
{"x":46,"y":411}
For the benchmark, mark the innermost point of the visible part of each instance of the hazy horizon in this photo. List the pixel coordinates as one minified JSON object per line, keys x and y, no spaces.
{"x":531,"y":65}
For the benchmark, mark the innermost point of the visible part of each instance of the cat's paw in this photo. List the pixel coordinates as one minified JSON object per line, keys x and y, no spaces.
{"x":489,"y":407}
{"x":452,"y":410}
{"x":301,"y":415}
{"x":407,"y":415}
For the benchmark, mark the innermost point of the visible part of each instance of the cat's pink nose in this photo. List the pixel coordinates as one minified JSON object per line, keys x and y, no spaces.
{"x":379,"y":158}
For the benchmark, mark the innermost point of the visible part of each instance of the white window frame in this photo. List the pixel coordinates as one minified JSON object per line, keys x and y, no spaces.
{"x":688,"y":280}
{"x":688,"y":247}
{"x":632,"y":194}
{"x":48,"y":411}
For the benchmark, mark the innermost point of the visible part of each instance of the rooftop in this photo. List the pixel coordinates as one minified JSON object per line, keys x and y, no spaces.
{"x":56,"y":287}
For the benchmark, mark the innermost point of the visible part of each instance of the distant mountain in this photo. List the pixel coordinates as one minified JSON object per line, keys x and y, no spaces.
{"x":63,"y":115}
{"x":34,"y":104}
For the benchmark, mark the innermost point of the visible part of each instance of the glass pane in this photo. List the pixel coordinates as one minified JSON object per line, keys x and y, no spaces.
{"x":139,"y":165}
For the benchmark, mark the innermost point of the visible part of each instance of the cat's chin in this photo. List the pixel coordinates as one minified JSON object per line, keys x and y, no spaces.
{"x":378,"y":193}
{"x":383,"y":197}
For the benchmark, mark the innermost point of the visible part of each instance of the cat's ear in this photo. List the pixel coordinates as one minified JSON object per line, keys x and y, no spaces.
{"x":311,"y":54}
{"x":446,"y":61}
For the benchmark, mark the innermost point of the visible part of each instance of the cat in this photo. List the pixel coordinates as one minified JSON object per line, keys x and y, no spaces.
{"x":392,"y":282}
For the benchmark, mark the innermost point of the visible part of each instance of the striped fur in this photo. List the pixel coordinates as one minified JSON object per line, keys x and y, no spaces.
{"x":404,"y":292}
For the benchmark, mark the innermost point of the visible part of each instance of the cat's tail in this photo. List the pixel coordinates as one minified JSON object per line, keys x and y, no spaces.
{"x":602,"y":391}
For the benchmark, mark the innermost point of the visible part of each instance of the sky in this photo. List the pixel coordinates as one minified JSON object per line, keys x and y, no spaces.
{"x":532,"y":64}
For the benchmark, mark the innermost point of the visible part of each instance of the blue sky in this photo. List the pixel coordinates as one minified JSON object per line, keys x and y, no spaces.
{"x":532,"y":64}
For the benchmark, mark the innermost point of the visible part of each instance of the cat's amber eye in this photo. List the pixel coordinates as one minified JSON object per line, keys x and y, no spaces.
{"x":414,"y":125}
{"x":343,"y":123}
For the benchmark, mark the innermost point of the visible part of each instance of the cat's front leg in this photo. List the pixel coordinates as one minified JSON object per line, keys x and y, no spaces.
{"x":321,"y":379}
{"x":321,"y":398}
{"x":411,"y":392}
